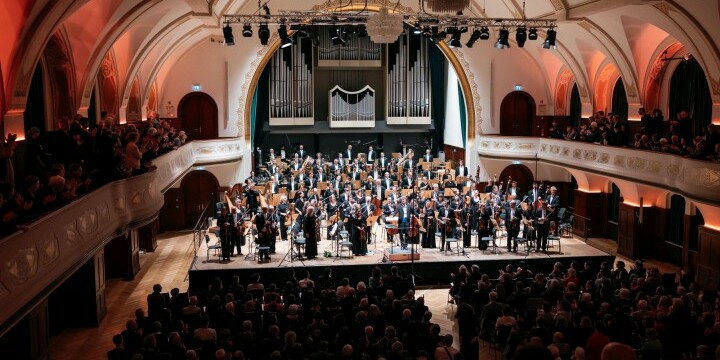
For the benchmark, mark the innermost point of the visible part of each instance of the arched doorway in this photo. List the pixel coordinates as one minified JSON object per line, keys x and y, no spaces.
{"x":197,"y":189}
{"x":517,"y":112}
{"x":199,"y":116}
{"x":520,"y":173}
{"x":689,"y":91}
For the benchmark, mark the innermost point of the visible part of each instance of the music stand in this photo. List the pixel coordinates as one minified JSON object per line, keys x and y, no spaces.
{"x":291,"y":252}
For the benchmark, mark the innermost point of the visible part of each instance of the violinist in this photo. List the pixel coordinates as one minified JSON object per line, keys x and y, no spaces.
{"x":283,"y":211}
{"x":442,"y":218}
{"x":427,"y":216}
{"x":512,"y":221}
{"x":357,"y":231}
{"x":404,"y":213}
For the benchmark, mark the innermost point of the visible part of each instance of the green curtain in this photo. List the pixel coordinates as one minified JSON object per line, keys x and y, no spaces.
{"x":463,"y":115}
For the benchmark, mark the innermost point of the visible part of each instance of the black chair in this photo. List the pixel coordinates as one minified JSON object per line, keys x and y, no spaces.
{"x":216,"y":246}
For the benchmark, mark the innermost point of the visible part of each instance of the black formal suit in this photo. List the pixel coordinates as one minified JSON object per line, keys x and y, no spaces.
{"x":386,"y":183}
{"x":302,"y":154}
{"x":553,"y":201}
{"x":407,"y":182}
{"x":542,"y":227}
{"x":533,"y":195}
{"x":383,"y":162}
{"x":461,"y":171}
{"x":321,"y":177}
{"x":427,"y":158}
{"x":429,"y":174}
{"x":409,"y":164}
{"x":512,"y":221}
{"x":371,"y":156}
{"x":516,"y":191}
{"x":349,"y":154}
{"x":404,"y":214}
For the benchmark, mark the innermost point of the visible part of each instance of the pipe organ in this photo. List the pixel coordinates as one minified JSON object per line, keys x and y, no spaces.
{"x":352,"y":109}
{"x":356,"y":51}
{"x":409,"y":88}
{"x":291,"y":85}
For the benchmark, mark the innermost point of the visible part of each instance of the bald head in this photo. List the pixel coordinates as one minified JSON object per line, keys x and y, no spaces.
{"x":616,"y":351}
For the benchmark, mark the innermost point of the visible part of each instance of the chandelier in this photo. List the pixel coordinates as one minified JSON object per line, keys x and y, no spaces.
{"x":451,"y":6}
{"x":383,"y":27}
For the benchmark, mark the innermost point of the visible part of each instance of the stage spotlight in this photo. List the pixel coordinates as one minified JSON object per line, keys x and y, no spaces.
{"x":455,"y":39}
{"x":227,"y":33}
{"x":502,"y":41}
{"x":312,"y":34}
{"x":550,"y":40}
{"x":437,"y":35}
{"x":521,"y":36}
{"x":484,"y":33}
{"x":247,"y":30}
{"x":417,"y":30}
{"x":532,"y":34}
{"x":362,"y":32}
{"x":263,"y":34}
{"x":473,"y":38}
{"x":285,"y":40}
{"x":427,"y":32}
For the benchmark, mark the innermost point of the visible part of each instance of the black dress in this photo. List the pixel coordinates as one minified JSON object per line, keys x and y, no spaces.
{"x":309,"y":230}
{"x":357,"y":225}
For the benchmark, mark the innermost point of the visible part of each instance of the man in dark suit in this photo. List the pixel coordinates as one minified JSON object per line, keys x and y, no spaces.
{"x":553,"y":200}
{"x":534,"y":194}
{"x":512,"y":221}
{"x":513,"y":191}
{"x":349,"y":153}
{"x":387,"y":181}
{"x":371,"y":155}
{"x":405,"y":213}
{"x":461,"y":169}
{"x":408,"y":180}
{"x":301,"y":152}
{"x":542,"y":227}
{"x":410,"y":163}
{"x":119,"y":352}
{"x":383,"y":161}
{"x":428,"y":156}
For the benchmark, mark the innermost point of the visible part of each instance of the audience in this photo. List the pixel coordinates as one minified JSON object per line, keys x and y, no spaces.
{"x":617,"y":314}
{"x":673,"y":137}
{"x":71,"y":161}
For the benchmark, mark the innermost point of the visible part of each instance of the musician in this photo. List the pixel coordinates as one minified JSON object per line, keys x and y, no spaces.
{"x":264,"y":232}
{"x":300,"y":200}
{"x":422,"y":184}
{"x":394,"y":196}
{"x":534,"y":194}
{"x":408,"y":180}
{"x":389,"y":209}
{"x":337,"y":180}
{"x":404,"y":214}
{"x":341,"y":160}
{"x":237,"y":237}
{"x":301,"y":178}
{"x":428,"y":156}
{"x":283,"y":210}
{"x":513,"y":215}
{"x":409,"y":163}
{"x":293,"y":184}
{"x":354,"y":174}
{"x":543,"y":226}
{"x":442,"y":217}
{"x":377,"y":190}
{"x":553,"y":200}
{"x":282,"y":152}
{"x":383,"y":161}
{"x":321,"y":176}
{"x":484,"y":225}
{"x":371,"y":155}
{"x":296,"y":165}
{"x":310,"y":229}
{"x":387,"y":181}
{"x":427,"y":217}
{"x":226,"y":226}
{"x":271,"y":222}
{"x":448,"y":181}
{"x":489,"y":186}
{"x":336,"y":166}
{"x":301,"y":151}
{"x":251,"y":196}
{"x":311,"y":181}
{"x":513,"y":191}
{"x":252,"y":178}
{"x":428,"y":173}
{"x":319,"y":161}
{"x":349,"y":153}
{"x":271,"y":155}
{"x":461,"y":169}
{"x":272,"y":186}
{"x":469,"y":218}
{"x":376,"y":173}
{"x":357,"y":231}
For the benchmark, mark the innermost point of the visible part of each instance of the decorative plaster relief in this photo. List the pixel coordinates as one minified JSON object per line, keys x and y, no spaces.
{"x":49,"y":249}
{"x":23,"y":265}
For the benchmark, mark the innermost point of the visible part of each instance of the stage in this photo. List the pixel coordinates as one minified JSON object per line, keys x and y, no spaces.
{"x":433,"y":266}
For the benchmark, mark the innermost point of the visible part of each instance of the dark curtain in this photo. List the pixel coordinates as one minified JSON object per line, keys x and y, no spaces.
{"x":695,"y":221}
{"x":689,"y":91}
{"x":571,"y":193}
{"x":262,"y":108}
{"x":619,"y":100}
{"x":614,"y":204}
{"x":677,"y":215}
{"x":575,"y":106}
{"x":437,"y":80}
{"x":35,"y":107}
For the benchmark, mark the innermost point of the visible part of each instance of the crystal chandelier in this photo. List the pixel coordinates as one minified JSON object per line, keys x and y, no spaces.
{"x":383,"y":27}
{"x":448,"y":5}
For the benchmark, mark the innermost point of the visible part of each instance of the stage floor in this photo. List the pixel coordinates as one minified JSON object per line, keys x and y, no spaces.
{"x":433,"y":266}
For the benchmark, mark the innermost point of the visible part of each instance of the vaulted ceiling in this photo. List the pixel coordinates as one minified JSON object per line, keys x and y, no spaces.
{"x":146,"y":36}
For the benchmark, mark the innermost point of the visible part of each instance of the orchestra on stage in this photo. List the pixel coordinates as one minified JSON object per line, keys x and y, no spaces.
{"x":421,"y":202}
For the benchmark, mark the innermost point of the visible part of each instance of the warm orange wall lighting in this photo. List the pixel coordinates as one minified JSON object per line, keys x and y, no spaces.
{"x":590,"y":191}
{"x":636,"y":205}
{"x":712,"y":227}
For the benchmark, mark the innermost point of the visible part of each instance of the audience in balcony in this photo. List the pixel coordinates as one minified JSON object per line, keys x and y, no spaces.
{"x":63,"y":164}
{"x":677,"y":139}
{"x":579,"y":312}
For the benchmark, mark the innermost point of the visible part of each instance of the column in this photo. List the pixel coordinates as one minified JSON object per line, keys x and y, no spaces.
{"x":590,"y":214}
{"x":123,"y":256}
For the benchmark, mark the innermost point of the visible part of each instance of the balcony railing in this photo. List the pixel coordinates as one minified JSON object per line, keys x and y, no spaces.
{"x":32,"y":261}
{"x":693,"y":178}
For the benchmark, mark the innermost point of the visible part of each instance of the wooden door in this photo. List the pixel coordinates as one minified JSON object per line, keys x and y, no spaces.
{"x":172,"y":214}
{"x":199,"y":116}
{"x":198,"y":188}
{"x":517,"y":113}
{"x":519,"y":173}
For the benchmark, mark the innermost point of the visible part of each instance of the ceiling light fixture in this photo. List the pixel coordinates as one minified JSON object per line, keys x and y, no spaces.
{"x":228,"y":35}
{"x":550,"y":40}
{"x":521,"y":36}
{"x":503,"y":39}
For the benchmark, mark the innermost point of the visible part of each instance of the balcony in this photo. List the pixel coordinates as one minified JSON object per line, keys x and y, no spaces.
{"x":33,"y":262}
{"x":697,"y":180}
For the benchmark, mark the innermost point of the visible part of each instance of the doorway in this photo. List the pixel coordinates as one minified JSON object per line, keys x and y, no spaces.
{"x":198,"y":114}
{"x":517,"y":112}
{"x":197,"y":189}
{"x":520,"y":173}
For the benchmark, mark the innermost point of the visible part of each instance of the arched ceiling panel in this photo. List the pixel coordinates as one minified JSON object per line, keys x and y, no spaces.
{"x":591,"y":57}
{"x":13,"y":18}
{"x":643,"y":39}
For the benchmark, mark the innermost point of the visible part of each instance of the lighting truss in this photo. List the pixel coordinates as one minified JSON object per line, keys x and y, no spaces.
{"x":339,"y":19}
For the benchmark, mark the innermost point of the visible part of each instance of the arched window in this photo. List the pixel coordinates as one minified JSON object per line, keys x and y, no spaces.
{"x":619,"y":100}
{"x":575,"y":106}
{"x":689,"y":91}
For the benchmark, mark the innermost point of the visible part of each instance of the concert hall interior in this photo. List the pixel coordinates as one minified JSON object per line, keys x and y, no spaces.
{"x":561,"y":157}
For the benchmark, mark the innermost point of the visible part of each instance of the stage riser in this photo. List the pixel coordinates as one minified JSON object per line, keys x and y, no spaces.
{"x":427,"y":273}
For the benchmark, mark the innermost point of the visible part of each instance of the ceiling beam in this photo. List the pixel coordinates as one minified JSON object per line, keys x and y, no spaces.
{"x":596,"y":6}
